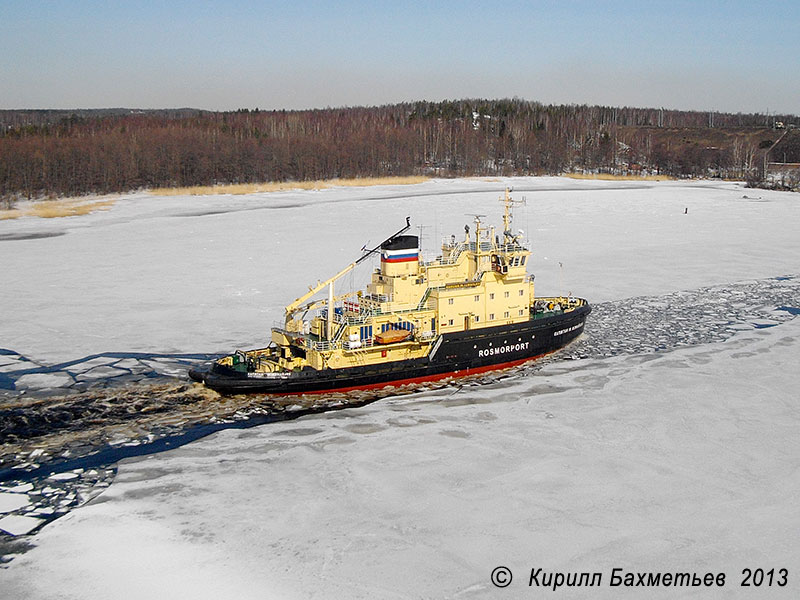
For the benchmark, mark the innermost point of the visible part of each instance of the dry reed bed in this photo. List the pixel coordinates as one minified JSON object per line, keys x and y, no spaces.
{"x":69,"y":207}
{"x":280,"y":186}
{"x":49,"y":209}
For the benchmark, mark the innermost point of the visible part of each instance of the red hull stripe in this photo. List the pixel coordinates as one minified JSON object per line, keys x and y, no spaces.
{"x":424,"y":378}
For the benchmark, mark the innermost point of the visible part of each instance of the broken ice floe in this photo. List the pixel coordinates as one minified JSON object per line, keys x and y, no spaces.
{"x":18,"y":373}
{"x":687,"y":318}
{"x":26,"y":506}
{"x":9,"y":501}
{"x":633,"y":325}
{"x":63,"y":476}
{"x":19,"y":524}
{"x":639,"y":325}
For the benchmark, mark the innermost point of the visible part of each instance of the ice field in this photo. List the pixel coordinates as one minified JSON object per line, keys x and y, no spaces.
{"x":669,"y":445}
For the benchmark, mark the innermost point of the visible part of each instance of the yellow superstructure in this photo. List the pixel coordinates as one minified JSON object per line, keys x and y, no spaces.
{"x":478,"y":281}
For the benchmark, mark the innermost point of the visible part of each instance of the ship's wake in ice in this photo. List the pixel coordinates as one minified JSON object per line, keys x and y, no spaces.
{"x":78,"y":436}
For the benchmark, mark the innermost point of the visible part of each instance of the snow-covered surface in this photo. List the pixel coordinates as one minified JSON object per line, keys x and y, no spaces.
{"x":64,"y":476}
{"x":155,"y":281}
{"x":19,"y":524}
{"x":10,"y":501}
{"x":684,"y":459}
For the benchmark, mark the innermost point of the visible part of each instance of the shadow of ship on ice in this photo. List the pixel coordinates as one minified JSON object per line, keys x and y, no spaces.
{"x":22,"y":373}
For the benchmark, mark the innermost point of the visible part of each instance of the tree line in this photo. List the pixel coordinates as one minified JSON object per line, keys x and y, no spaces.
{"x":55,"y":153}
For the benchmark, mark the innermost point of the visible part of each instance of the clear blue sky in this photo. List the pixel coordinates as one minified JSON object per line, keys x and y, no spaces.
{"x":727,"y":56}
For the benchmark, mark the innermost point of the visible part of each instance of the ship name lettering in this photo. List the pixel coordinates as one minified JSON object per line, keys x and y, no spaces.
{"x":567,"y":330}
{"x":503,"y":349}
{"x":257,"y":375}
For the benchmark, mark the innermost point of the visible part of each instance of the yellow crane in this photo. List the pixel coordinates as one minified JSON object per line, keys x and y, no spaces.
{"x":295,"y":325}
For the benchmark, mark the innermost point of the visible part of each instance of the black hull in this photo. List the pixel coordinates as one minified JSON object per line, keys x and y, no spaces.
{"x":454,"y":354}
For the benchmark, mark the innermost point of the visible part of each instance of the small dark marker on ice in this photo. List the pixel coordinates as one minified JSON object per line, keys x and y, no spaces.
{"x":686,"y":210}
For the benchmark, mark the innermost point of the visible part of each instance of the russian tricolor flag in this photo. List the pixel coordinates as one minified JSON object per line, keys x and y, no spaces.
{"x":397,"y":256}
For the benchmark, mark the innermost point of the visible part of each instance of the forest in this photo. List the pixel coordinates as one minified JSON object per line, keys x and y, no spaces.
{"x":52,"y":153}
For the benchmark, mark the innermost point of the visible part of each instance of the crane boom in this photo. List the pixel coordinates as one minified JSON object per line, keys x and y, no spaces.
{"x":297,"y":305}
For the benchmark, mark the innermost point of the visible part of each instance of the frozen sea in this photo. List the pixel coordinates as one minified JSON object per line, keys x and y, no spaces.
{"x":670,"y":445}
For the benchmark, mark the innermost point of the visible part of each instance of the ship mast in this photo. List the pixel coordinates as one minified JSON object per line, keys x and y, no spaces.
{"x":508,"y":202}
